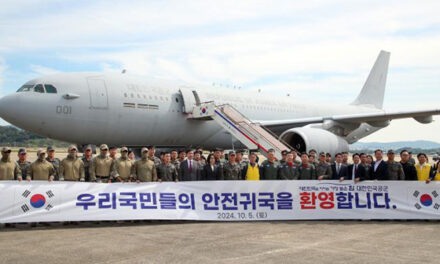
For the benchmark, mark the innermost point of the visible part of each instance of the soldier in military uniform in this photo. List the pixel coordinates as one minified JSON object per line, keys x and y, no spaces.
{"x":87,"y":160}
{"x":175,"y":158}
{"x":323,"y":169}
{"x":283,"y":157}
{"x":9,"y":170}
{"x":72,"y":168}
{"x":231,"y":169}
{"x":144,"y":170}
{"x":113,"y":151}
{"x":287,"y":171}
{"x":41,"y":169}
{"x":395,"y":169}
{"x":166,"y":170}
{"x":102,"y":166}
{"x":152,"y":157}
{"x":122,"y":167}
{"x":55,"y":161}
{"x":305,"y":170}
{"x":23,"y":162}
{"x":239,"y":159}
{"x":269,"y":167}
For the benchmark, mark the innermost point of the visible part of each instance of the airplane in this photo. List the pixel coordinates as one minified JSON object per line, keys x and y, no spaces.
{"x":127,"y":110}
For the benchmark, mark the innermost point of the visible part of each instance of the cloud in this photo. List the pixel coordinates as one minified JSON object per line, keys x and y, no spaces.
{"x":315,"y":50}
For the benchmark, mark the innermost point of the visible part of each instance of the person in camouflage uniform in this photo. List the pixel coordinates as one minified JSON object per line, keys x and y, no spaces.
{"x":166,"y":170}
{"x":55,"y":161}
{"x":323,"y":169}
{"x":87,"y":161}
{"x":231,"y":170}
{"x":395,"y":169}
{"x":23,"y":162}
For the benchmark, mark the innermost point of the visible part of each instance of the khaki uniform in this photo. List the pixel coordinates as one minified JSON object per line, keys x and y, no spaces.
{"x":232,"y":172}
{"x":306,"y":173}
{"x":268,"y":170}
{"x":122,"y":168}
{"x":144,"y":170}
{"x":9,"y":170}
{"x":287,"y":171}
{"x":324,"y":169}
{"x":41,"y":171}
{"x":56,"y":165}
{"x":101,"y":168}
{"x":24,"y":167}
{"x":395,"y":171}
{"x":167,"y":172}
{"x":71,"y":169}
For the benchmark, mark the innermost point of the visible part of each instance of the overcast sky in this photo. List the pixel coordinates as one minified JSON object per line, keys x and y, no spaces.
{"x":320,"y":51}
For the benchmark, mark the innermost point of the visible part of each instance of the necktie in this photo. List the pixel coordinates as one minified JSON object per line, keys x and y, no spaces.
{"x":190,"y":166}
{"x":337,"y":171}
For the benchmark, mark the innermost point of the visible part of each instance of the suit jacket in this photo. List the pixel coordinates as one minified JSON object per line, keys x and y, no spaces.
{"x":208,"y":174}
{"x":360,"y":173}
{"x":343,"y":172}
{"x":381,"y":172}
{"x":185,"y":174}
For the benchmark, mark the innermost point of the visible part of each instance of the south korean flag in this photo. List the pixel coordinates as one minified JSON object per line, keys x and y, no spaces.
{"x":36,"y":199}
{"x":425,"y":199}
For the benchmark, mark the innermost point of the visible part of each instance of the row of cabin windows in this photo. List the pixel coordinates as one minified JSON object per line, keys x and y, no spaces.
{"x":38,"y":88}
{"x":162,"y":98}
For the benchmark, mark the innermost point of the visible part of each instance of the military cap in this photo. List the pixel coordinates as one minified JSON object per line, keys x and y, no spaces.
{"x":390,"y":152}
{"x":40,"y":151}
{"x":22,"y":151}
{"x":103,"y":146}
{"x":50,"y":148}
{"x":124,"y":149}
{"x":6,"y":149}
{"x":231,"y":152}
{"x":144,"y":149}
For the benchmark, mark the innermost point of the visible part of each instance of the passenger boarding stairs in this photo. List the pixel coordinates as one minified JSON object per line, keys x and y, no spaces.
{"x":251,"y":134}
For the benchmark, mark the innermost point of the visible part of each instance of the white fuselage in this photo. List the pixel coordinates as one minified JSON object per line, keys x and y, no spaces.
{"x":133,"y":111}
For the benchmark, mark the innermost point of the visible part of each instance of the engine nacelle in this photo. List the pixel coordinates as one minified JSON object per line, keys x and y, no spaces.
{"x":304,"y":139}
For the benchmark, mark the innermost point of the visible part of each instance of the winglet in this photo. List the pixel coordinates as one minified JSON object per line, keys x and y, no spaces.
{"x":374,"y":88}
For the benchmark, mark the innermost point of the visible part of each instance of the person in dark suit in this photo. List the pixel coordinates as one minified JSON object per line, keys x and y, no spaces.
{"x":379,"y":168}
{"x":356,"y":171}
{"x":212,"y":171}
{"x":339,"y":170}
{"x":189,"y":169}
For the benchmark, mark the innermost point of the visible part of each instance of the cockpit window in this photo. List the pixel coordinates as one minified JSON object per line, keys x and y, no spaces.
{"x":26,"y":88}
{"x":50,"y":88}
{"x":39,"y":88}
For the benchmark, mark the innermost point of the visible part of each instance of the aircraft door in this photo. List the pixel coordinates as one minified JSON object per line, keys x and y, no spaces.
{"x":98,"y":93}
{"x":190,"y":99}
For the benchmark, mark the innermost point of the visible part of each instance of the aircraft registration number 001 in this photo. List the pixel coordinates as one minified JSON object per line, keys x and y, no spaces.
{"x":64,"y":109}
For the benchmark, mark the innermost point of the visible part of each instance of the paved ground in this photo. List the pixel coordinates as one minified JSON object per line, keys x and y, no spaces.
{"x":216,"y":242}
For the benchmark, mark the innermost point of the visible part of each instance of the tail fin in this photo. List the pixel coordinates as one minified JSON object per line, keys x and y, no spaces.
{"x":374,"y":88}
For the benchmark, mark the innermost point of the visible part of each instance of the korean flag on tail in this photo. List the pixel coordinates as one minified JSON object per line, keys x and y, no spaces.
{"x":36,"y":199}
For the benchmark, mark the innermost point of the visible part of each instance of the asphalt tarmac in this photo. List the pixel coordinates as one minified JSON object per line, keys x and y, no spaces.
{"x":218,"y":242}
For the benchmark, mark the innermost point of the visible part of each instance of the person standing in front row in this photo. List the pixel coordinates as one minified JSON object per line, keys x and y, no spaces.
{"x":269,"y":167}
{"x":212,"y":171}
{"x":251,"y":170}
{"x":379,"y":168}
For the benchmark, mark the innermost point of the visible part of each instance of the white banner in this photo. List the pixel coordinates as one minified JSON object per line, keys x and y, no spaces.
{"x":218,"y":200}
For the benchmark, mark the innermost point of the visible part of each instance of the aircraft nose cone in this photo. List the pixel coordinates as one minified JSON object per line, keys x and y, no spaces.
{"x":6,"y":105}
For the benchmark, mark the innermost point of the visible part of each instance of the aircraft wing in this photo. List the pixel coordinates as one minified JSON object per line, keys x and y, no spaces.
{"x":422,"y":116}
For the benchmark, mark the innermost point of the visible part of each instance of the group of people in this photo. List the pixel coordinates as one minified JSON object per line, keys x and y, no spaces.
{"x":191,"y":165}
